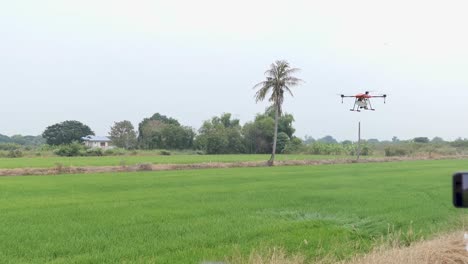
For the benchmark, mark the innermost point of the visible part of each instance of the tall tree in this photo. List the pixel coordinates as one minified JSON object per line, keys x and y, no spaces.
{"x":66,"y":132}
{"x":162,"y":132}
{"x":123,"y":135}
{"x":279,"y":79}
{"x":220,"y":135}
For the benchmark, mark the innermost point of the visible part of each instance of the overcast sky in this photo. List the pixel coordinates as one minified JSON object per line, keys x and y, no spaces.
{"x":102,"y":61}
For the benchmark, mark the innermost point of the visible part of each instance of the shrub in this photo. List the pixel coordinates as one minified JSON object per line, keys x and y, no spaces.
{"x":366,"y":151}
{"x":396,"y":151}
{"x":71,"y":150}
{"x":294,"y":145}
{"x":114,"y":152}
{"x":15,"y":153}
{"x":94,"y":152}
{"x":319,"y":148}
{"x":9,"y":146}
{"x":165,"y":153}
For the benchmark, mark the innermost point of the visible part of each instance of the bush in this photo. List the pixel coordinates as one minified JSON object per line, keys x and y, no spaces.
{"x":366,"y":151}
{"x":165,"y":153}
{"x":15,"y":153}
{"x":294,"y":145}
{"x":9,"y":146}
{"x":94,"y":152}
{"x":392,"y":151}
{"x":319,"y":148}
{"x":114,"y":152}
{"x":71,"y":150}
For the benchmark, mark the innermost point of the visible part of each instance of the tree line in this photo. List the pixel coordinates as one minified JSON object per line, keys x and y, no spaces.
{"x":218,"y":135}
{"x":221,"y":135}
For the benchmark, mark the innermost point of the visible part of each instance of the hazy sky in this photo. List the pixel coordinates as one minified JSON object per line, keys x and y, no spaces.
{"x":102,"y":61}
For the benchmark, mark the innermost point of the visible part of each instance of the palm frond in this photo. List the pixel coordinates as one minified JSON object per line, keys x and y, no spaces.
{"x":262,"y":92}
{"x":279,"y":79}
{"x":290,"y":71}
{"x":289,"y":90}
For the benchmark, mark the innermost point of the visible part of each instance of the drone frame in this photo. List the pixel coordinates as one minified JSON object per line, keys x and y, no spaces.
{"x":366,"y":98}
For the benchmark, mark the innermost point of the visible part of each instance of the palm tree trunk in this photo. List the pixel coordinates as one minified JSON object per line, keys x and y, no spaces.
{"x":272,"y":158}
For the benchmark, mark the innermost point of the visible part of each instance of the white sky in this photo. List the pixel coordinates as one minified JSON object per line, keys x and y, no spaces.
{"x":105,"y":61}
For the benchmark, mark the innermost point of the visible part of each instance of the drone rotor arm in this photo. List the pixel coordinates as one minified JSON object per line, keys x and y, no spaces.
{"x":345,"y":96}
{"x":384,"y":96}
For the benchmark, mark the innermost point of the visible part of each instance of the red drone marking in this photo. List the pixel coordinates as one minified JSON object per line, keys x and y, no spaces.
{"x":362,"y":101}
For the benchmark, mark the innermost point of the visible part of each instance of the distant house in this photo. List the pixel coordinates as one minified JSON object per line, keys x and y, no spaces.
{"x":96,"y":142}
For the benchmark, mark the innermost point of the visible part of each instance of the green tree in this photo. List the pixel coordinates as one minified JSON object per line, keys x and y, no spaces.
{"x":4,"y":139}
{"x":327,"y":139}
{"x":23,"y":140}
{"x":283,"y":140}
{"x":162,"y":132}
{"x":294,"y":145}
{"x":284,"y":122}
{"x":220,"y":135}
{"x":123,"y":135}
{"x":421,"y":140}
{"x":258,"y":135}
{"x":66,"y":132}
{"x":279,"y":79}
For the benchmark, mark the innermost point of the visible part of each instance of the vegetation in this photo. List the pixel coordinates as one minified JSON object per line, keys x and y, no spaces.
{"x":208,"y":215}
{"x":162,"y":132}
{"x":258,"y":135}
{"x":123,"y":135}
{"x":220,"y":135}
{"x":279,"y":79}
{"x":66,"y":132}
{"x":22,"y":140}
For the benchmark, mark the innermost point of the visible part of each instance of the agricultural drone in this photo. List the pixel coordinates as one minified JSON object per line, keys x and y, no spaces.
{"x":362,"y":101}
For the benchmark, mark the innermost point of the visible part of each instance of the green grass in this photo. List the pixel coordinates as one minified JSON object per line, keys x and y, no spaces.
{"x":48,"y":162}
{"x":193,"y":216}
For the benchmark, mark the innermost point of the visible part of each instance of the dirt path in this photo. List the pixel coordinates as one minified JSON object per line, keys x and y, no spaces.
{"x":207,"y":165}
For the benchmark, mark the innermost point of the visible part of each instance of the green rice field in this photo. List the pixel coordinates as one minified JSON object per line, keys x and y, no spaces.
{"x":197,"y":216}
{"x":48,"y":162}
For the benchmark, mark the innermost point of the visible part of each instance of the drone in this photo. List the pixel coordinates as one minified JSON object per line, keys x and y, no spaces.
{"x":362,"y":101}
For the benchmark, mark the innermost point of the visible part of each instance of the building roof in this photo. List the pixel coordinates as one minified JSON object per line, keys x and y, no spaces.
{"x":96,"y":138}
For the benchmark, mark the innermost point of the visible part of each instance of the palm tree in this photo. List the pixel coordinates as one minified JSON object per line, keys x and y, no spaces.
{"x":278,"y":80}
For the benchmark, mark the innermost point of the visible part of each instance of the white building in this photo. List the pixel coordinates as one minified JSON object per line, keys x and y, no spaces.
{"x":96,"y":142}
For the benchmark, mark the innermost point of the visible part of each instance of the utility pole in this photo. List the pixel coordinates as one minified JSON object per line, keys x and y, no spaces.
{"x":359,"y":141}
